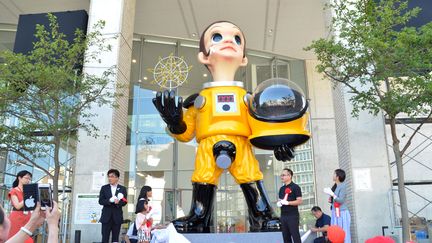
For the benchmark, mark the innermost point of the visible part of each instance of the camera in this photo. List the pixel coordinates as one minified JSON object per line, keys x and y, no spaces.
{"x":37,"y":192}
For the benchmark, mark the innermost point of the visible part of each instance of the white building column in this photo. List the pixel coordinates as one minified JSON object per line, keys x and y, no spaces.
{"x":109,"y":149}
{"x":323,"y":130}
{"x":368,"y":164}
{"x":356,"y":145}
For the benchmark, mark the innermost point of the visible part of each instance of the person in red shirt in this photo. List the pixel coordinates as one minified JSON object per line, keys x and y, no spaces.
{"x":18,"y":217}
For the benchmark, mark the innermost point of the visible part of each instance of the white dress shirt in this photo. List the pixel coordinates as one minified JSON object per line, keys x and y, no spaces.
{"x":113,"y":189}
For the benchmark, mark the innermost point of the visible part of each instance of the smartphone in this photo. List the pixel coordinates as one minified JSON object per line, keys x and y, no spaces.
{"x":45,"y":196}
{"x":31,"y":196}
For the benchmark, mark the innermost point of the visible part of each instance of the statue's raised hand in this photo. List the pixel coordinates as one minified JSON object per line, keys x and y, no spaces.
{"x":284,"y":152}
{"x":171,"y":111}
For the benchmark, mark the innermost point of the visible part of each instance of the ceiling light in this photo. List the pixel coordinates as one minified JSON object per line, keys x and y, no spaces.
{"x":194,"y":34}
{"x":270,"y":33}
{"x":205,"y":75}
{"x":160,"y":42}
{"x":189,"y":45}
{"x":133,"y":60}
{"x":145,"y":78}
{"x":139,"y":80}
{"x":140,"y":174}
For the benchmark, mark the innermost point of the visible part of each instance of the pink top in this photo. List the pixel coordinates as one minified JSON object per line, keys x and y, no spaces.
{"x":140,"y":221}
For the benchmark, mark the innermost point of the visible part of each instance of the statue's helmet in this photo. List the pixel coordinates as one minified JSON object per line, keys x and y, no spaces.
{"x":277,"y":100}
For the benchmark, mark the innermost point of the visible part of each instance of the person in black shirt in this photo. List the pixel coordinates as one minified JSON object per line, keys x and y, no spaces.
{"x":290,"y":196}
{"x":321,"y":224}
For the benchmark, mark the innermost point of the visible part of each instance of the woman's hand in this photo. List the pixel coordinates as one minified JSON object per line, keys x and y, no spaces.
{"x":328,"y":191}
{"x":52,"y":218}
{"x":37,"y":218}
{"x":52,"y":215}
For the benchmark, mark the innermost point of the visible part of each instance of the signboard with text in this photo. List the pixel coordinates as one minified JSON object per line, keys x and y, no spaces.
{"x":87,"y":209}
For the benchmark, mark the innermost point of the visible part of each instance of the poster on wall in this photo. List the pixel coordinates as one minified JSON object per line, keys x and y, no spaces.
{"x":98,"y":180}
{"x":87,"y":209}
{"x":362,"y":179}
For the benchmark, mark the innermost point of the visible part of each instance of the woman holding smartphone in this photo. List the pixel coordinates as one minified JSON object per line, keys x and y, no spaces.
{"x":18,"y":217}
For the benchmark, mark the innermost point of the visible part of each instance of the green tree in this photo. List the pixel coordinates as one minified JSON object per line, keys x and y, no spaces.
{"x":385,"y":65}
{"x":49,"y":98}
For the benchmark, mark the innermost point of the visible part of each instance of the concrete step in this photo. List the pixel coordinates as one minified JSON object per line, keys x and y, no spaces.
{"x":266,"y":237}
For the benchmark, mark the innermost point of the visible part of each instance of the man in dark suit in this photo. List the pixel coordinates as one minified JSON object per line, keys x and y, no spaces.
{"x":113,"y":197}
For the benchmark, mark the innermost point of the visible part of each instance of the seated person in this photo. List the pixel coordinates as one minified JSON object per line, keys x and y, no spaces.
{"x":131,"y":235}
{"x":321,"y":225}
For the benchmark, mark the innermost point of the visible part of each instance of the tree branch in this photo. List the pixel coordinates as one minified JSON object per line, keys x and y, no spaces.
{"x":19,"y":152}
{"x":408,"y":143}
{"x":352,"y":88}
{"x":377,"y":90}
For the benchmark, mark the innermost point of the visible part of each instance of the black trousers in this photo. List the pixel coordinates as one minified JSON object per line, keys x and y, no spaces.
{"x":108,"y":228}
{"x":321,"y":239}
{"x":290,"y":228}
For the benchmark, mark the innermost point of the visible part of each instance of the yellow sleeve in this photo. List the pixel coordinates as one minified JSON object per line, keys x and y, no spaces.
{"x":189,"y":118}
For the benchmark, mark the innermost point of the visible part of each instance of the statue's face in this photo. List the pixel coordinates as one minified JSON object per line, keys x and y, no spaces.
{"x":224,"y":41}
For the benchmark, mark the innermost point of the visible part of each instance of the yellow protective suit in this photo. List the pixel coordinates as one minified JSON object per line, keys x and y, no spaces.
{"x":210,"y":126}
{"x":220,"y":113}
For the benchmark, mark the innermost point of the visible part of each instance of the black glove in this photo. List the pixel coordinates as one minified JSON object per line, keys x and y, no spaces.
{"x":283,"y":152}
{"x":171,"y":113}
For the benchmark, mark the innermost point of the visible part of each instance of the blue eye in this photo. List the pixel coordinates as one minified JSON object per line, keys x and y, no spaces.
{"x":216,"y":38}
{"x":237,"y":40}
